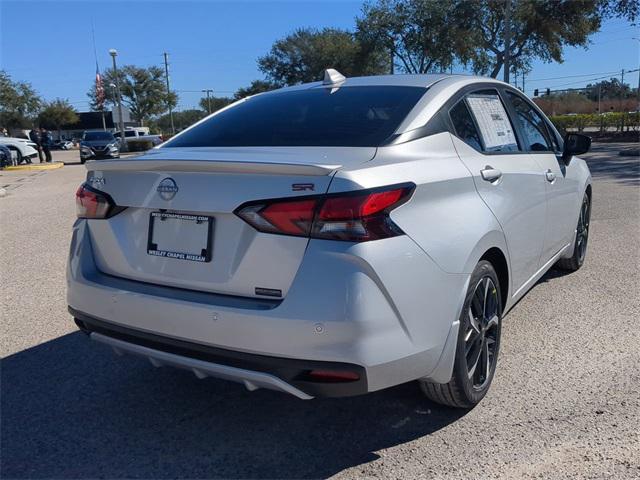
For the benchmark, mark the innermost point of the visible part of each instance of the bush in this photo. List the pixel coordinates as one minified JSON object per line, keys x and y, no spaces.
{"x":584,"y":120}
{"x":621,"y":121}
{"x":563,"y":122}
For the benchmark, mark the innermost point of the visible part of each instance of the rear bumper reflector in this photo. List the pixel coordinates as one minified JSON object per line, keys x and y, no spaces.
{"x":252,"y":380}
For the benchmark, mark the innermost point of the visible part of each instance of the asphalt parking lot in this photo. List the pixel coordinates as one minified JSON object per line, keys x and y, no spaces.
{"x":565,"y":402}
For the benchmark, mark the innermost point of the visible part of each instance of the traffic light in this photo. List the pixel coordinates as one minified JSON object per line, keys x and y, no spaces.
{"x":535,"y":92}
{"x":548,"y":91}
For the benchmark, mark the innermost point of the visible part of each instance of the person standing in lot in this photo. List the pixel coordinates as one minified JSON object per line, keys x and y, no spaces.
{"x":34,"y":136}
{"x":46,"y":140}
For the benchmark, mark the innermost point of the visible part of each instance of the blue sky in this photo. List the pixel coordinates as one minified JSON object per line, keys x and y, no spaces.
{"x":215,"y":44}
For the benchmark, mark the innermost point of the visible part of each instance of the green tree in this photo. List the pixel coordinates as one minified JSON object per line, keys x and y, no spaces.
{"x":181,"y":120}
{"x":425,"y":35}
{"x":626,"y":9}
{"x":19,"y":102}
{"x":213,"y":104}
{"x":303,"y":56}
{"x":540,"y":29}
{"x":612,"y":89}
{"x":257,"y":86}
{"x":143,"y":90}
{"x":57,"y":113}
{"x":421,"y":35}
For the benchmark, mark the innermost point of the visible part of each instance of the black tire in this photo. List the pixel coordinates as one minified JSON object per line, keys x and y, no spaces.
{"x":82,"y":160}
{"x":576,"y":260}
{"x":466,"y":389}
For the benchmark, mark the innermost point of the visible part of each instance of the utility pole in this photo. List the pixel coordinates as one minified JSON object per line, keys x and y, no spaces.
{"x":600,"y":118}
{"x":638,"y":70}
{"x":166,"y":74}
{"x":208,"y":91}
{"x":123,"y":143}
{"x":621,"y":89}
{"x":507,"y":40}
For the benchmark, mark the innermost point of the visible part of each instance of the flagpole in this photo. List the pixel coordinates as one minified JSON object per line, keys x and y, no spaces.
{"x":95,"y":55}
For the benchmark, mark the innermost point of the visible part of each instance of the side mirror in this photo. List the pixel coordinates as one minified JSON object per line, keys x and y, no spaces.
{"x":575,"y":144}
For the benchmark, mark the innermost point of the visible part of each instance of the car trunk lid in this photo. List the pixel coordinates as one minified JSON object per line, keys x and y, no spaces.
{"x":167,"y":190}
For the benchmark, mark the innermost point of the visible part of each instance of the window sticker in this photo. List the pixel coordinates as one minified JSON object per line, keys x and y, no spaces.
{"x":493,"y":122}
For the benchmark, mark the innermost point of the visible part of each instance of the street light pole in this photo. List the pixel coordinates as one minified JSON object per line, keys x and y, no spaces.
{"x":208,"y":91}
{"x":507,"y":40}
{"x":638,"y":92}
{"x":166,"y":72}
{"x":123,"y":143}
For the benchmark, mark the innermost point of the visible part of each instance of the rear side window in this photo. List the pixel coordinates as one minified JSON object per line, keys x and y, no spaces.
{"x":464,"y":126}
{"x":343,"y":117}
{"x":537,"y":137}
{"x":494,"y":125}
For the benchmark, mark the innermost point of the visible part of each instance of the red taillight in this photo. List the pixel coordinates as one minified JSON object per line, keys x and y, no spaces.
{"x":358,"y":206}
{"x":358,"y":217}
{"x":292,"y":218}
{"x":91,"y":203}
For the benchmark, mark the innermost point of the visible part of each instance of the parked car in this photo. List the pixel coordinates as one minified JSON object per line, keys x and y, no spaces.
{"x":139,"y":138}
{"x":6,"y":159}
{"x":63,"y":145}
{"x":97,"y":145}
{"x":21,"y":148}
{"x":333,"y":238}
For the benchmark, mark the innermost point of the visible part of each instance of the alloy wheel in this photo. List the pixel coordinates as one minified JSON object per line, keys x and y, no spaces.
{"x":481,"y":334}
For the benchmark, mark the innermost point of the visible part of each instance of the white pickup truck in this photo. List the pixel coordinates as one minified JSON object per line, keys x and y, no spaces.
{"x":134,"y":136}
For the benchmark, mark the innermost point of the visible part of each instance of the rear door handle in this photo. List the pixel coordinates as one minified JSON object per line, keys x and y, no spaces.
{"x":490,"y":174}
{"x":550,"y":176}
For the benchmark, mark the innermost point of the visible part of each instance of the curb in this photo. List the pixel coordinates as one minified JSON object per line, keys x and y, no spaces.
{"x":37,"y":166}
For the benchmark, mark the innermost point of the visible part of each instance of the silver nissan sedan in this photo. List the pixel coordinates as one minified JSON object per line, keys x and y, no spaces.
{"x":333,"y":238}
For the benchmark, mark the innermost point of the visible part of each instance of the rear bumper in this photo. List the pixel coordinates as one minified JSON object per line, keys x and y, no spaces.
{"x":254,"y":371}
{"x":384,"y":308}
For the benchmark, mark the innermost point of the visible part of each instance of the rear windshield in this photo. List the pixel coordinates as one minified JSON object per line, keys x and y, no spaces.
{"x":346,"y":117}
{"x":97,"y":136}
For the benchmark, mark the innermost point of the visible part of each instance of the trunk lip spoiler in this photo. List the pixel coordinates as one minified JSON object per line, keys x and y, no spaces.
{"x":214,"y":166}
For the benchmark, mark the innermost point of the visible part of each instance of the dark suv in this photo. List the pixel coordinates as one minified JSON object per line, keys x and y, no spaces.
{"x":101,"y":144}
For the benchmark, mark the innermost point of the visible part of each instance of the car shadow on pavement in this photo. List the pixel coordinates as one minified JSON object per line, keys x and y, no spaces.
{"x":605,"y":162}
{"x":72,"y":409}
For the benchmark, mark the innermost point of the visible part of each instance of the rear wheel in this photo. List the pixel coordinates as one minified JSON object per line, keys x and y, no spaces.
{"x":478,"y":343}
{"x":576,"y":260}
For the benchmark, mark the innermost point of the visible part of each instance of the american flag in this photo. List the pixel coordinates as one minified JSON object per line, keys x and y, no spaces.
{"x":99,"y":90}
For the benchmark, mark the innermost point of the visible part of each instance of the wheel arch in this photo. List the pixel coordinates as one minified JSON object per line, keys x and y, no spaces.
{"x":496,"y":257}
{"x":492,"y":247}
